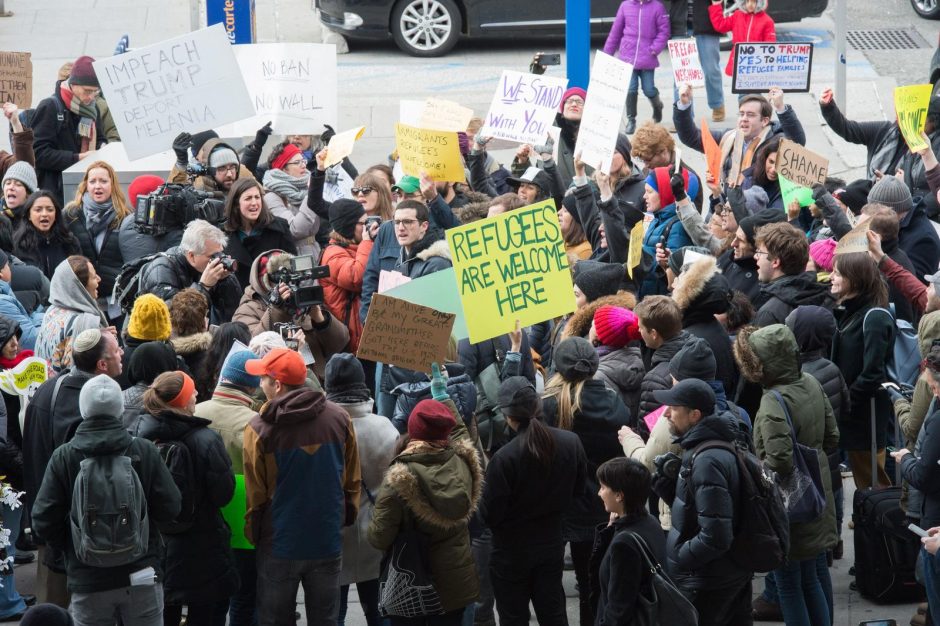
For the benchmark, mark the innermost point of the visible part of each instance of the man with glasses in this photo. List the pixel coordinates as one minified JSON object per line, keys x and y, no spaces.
{"x":423,"y":249}
{"x":66,"y":126}
{"x":739,"y":265}
{"x":568,"y":119}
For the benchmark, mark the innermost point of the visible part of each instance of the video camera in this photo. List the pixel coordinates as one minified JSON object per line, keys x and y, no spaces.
{"x":172,"y":207}
{"x":301,"y":277}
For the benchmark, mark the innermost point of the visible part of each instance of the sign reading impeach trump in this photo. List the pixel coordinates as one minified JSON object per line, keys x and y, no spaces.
{"x":511,"y":267}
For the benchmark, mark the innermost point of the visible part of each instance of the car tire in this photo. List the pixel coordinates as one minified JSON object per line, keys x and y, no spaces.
{"x":426,"y":28}
{"x":929,"y":9}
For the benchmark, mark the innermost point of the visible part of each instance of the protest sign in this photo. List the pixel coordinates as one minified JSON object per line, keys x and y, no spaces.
{"x":603,"y":108}
{"x":23,"y":380}
{"x":511,"y":267}
{"x":410,"y":112}
{"x":800,"y":165}
{"x":856,"y":240}
{"x":341,"y":145}
{"x":405,"y":334}
{"x":635,"y":253}
{"x":389,"y":279}
{"x":234,"y":515}
{"x":188,"y":83}
{"x":439,"y":291}
{"x":523,"y":107}
{"x":291,"y":85}
{"x":433,"y":151}
{"x":712,"y":152}
{"x":440,"y":114}
{"x":760,"y":66}
{"x":652,"y":417}
{"x":686,"y":66}
{"x":16,"y":79}
{"x":910,"y":104}
{"x":792,"y":192}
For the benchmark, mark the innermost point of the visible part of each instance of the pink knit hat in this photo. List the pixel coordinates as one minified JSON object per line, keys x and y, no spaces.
{"x":571,"y":91}
{"x":616,"y":326}
{"x":823,"y":253}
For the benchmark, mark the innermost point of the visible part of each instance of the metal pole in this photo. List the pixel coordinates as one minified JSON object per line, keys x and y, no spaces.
{"x":578,"y":42}
{"x":839,"y":17}
{"x":194,"y":17}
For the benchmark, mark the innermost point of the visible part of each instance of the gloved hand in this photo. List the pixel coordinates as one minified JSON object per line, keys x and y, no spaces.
{"x":326,"y":135}
{"x":664,"y":487}
{"x":181,"y":147}
{"x":438,"y":386}
{"x":547,"y":147}
{"x":261,"y":137}
{"x":677,"y":184}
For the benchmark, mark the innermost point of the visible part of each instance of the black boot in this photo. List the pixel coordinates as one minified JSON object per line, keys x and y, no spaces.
{"x":657,"y":108}
{"x":631,"y":112}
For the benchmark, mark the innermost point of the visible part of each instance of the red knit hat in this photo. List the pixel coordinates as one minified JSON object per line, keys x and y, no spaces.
{"x":83,"y":73}
{"x":430,"y":420}
{"x":616,"y":326}
{"x":571,"y":91}
{"x":142,"y":186}
{"x":288,"y":153}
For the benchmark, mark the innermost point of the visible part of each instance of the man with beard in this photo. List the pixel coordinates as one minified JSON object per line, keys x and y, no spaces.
{"x":739,"y":264}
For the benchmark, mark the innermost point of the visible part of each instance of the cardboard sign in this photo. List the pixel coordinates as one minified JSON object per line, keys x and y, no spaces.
{"x":16,"y":79}
{"x":524,"y":107}
{"x":433,"y":151}
{"x":856,"y":240}
{"x":341,"y":145}
{"x":792,"y":192}
{"x":603,"y":108}
{"x":405,"y":334}
{"x":760,"y":66}
{"x":686,"y":65}
{"x":801,"y":166}
{"x":445,"y":115}
{"x":511,"y":267}
{"x":439,"y":291}
{"x":910,"y":104}
{"x":712,"y":152}
{"x":635,"y":254}
{"x":188,"y":83}
{"x":291,"y":85}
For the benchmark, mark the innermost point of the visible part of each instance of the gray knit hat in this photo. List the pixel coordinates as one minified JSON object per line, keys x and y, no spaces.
{"x":222,"y":155}
{"x":892,"y":192}
{"x":101,"y":396}
{"x":23,"y":172}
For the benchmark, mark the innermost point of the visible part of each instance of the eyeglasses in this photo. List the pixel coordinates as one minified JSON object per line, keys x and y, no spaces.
{"x":361,"y":191}
{"x":758,"y":253}
{"x":225,"y":169}
{"x":748,"y":114}
{"x":300,"y":162}
{"x":574,"y":102}
{"x":405,"y":223}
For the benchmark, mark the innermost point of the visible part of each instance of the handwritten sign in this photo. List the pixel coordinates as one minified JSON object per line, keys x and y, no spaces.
{"x":341,"y":145}
{"x":437,"y":290}
{"x":686,"y":66}
{"x":511,"y":267}
{"x":440,"y":114}
{"x":910,"y":104}
{"x":16,"y":78}
{"x":405,"y":334}
{"x":856,"y":240}
{"x":433,"y":151}
{"x":389,"y":279}
{"x":603,"y":108}
{"x":523,"y":107}
{"x":760,"y":66}
{"x":188,"y":83}
{"x":791,"y":192}
{"x":800,"y":165}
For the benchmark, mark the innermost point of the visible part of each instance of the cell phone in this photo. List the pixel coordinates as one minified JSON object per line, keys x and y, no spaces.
{"x":373,"y":219}
{"x":879,"y":622}
{"x":550,"y":59}
{"x":917,"y":530}
{"x":890,"y":386}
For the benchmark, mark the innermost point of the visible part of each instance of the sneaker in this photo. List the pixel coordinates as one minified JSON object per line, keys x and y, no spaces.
{"x":764,"y":611}
{"x":718,"y":114}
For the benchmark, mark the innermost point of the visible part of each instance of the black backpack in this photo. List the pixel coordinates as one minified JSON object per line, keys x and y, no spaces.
{"x":127,"y":283}
{"x":761,"y":530}
{"x":178,"y":459}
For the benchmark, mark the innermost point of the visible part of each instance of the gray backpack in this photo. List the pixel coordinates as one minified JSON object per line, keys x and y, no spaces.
{"x":109,"y":512}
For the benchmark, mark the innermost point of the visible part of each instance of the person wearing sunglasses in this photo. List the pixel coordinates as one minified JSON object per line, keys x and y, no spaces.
{"x":286,"y":183}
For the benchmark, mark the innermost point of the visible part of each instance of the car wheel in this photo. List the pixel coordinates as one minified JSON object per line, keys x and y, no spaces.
{"x":927,"y":8}
{"x":426,"y":28}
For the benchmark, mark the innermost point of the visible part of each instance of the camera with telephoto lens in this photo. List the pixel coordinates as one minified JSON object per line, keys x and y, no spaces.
{"x":668,"y":465}
{"x":301,"y":277}
{"x":172,"y":207}
{"x":227,"y":262}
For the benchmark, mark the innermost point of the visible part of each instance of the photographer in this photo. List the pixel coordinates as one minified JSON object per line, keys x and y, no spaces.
{"x":196,"y":263}
{"x":217,"y":172}
{"x":269,"y":302}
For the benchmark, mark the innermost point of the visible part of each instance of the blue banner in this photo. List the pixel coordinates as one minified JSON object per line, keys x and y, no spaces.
{"x":236,"y":16}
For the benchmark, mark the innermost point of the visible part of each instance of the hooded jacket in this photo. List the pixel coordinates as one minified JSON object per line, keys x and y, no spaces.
{"x":342,"y":289}
{"x":205,"y":182}
{"x":657,"y":375}
{"x":102,"y":435}
{"x":744,"y":26}
{"x":430,"y":254}
{"x":29,"y":323}
{"x":199,"y":562}
{"x":639,"y":33}
{"x":71,"y":310}
{"x":742,"y":276}
{"x":772,"y":359}
{"x":301,"y":462}
{"x":813,"y":330}
{"x":621,"y":369}
{"x":460,"y":388}
{"x":194,"y":349}
{"x":788,"y":292}
{"x":664,"y":219}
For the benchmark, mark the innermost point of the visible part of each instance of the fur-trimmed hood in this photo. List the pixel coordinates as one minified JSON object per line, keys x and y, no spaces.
{"x":438,"y":248}
{"x":702,"y":288}
{"x":441,"y":489}
{"x":191,"y":343}
{"x":579,"y":325}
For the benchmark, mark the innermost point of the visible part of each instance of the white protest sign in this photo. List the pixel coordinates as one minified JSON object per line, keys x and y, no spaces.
{"x":188,"y":83}
{"x":410,"y":112}
{"x":292,"y":85}
{"x":523,"y":107}
{"x":603,"y":108}
{"x":341,"y":145}
{"x":686,"y":65}
{"x":760,"y":66}
{"x":445,"y":115}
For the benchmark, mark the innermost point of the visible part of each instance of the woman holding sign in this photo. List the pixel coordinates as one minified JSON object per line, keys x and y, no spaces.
{"x":286,"y":183}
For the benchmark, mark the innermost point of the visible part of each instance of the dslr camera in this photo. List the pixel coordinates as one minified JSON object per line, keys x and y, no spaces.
{"x":227,"y":262}
{"x":668,"y":465}
{"x":301,"y":277}
{"x":172,"y":207}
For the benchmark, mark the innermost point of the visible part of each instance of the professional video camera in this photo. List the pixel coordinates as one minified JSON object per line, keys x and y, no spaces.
{"x":301,"y":277}
{"x":172,"y":207}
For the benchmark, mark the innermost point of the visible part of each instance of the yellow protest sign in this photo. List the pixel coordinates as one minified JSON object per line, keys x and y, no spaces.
{"x":24,"y":378}
{"x":511,"y":267}
{"x":433,"y":151}
{"x":910,"y":104}
{"x":635,"y":254}
{"x":341,"y":145}
{"x":445,"y":115}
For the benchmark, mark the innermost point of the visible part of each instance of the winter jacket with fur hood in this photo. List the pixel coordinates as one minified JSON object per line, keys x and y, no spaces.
{"x":205,"y":182}
{"x":430,"y":254}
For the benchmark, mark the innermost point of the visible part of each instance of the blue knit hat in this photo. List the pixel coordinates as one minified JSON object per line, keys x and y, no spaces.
{"x":233,"y":370}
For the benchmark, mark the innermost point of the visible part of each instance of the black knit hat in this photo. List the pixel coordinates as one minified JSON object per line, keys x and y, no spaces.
{"x":518,"y":397}
{"x":199,"y":139}
{"x":575,"y":359}
{"x":751,"y":223}
{"x":694,"y":360}
{"x":344,"y":379}
{"x":571,"y":205}
{"x":855,"y":194}
{"x":344,"y":215}
{"x":149,"y":360}
{"x":599,"y":282}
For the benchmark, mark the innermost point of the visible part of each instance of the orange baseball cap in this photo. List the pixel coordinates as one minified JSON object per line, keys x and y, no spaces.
{"x":281,"y":364}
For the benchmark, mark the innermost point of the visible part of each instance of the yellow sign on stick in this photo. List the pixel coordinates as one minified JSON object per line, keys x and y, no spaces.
{"x":910,"y":104}
{"x":433,"y":151}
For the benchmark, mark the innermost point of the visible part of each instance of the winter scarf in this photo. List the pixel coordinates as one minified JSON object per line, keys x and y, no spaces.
{"x":97,"y":216}
{"x":88,"y":113}
{"x":292,"y":188}
{"x":8,"y":364}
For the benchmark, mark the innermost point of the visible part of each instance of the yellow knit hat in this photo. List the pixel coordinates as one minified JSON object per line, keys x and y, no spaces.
{"x":150,"y":319}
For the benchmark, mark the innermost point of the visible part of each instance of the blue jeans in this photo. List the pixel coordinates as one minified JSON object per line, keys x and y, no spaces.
{"x":802,"y":600}
{"x":931,"y":581}
{"x":384,"y":402}
{"x":278,"y":580}
{"x":10,"y":601}
{"x":648,"y":80}
{"x":242,"y":609}
{"x":709,"y":53}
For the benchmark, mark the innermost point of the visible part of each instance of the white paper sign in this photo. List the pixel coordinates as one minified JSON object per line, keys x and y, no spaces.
{"x":410,"y":112}
{"x":188,"y":83}
{"x":686,"y":65}
{"x":603,"y":109}
{"x":523,"y":107}
{"x":292,"y":85}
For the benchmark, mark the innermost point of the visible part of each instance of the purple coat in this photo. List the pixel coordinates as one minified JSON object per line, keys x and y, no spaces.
{"x":639,"y":33}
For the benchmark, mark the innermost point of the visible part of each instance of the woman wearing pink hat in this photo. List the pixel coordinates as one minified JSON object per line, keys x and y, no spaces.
{"x":615,"y":333}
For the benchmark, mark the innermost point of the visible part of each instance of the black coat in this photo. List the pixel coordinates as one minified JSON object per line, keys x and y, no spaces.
{"x":199,"y":562}
{"x":742,"y":276}
{"x":47,"y":255}
{"x":167,"y":275}
{"x":788,"y":292}
{"x":920,"y":241}
{"x":109,"y":261}
{"x":274,"y":236}
{"x":657,"y":375}
{"x":923,"y":472}
{"x":523,"y":502}
{"x":476,"y":357}
{"x":903,"y":308}
{"x":460,"y":388}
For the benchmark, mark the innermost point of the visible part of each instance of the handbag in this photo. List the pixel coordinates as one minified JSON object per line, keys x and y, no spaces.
{"x":803,"y":493}
{"x":660,"y":602}
{"x":406,"y":588}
